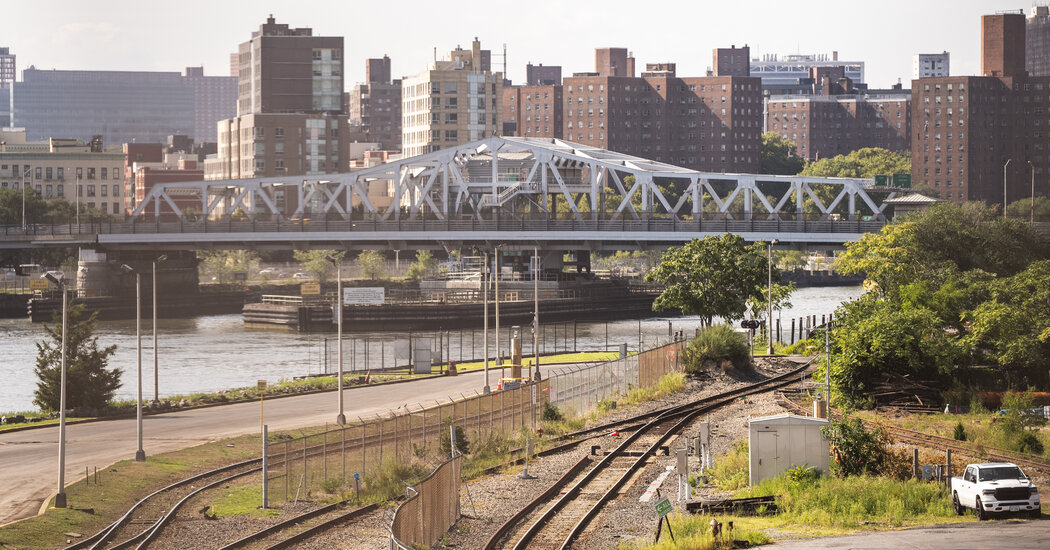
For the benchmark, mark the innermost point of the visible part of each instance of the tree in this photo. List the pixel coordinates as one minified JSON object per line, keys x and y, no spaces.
{"x":425,"y":262}
{"x":222,"y":264}
{"x":1022,"y":209}
{"x":372,"y":264}
{"x":11,"y":206}
{"x":862,"y":163}
{"x":89,"y":383}
{"x":316,"y":263}
{"x":1012,"y":328}
{"x":857,"y":451}
{"x":778,"y":156}
{"x":713,"y":277}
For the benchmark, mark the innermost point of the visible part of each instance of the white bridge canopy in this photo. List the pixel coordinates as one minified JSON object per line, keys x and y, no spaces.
{"x":527,"y":177}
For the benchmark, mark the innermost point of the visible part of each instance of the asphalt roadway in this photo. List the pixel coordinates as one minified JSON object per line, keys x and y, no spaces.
{"x":29,"y":458}
{"x":985,"y":535}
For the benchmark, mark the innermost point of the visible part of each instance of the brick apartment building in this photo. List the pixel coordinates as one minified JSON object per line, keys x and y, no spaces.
{"x":969,"y":132}
{"x":825,"y":126}
{"x":711,"y":123}
{"x":533,"y":111}
{"x":374,"y":108}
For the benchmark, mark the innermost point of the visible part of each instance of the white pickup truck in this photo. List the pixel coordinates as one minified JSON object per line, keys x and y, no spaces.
{"x":998,"y":487}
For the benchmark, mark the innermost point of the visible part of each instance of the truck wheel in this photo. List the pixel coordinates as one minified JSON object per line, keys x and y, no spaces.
{"x":1036,"y":514}
{"x":981,"y":514}
{"x":956,"y":506}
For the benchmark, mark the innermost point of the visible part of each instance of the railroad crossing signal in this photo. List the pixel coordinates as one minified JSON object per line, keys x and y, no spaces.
{"x":752,"y":324}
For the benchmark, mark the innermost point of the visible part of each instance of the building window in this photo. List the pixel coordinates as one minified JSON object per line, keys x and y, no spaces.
{"x":91,"y":190}
{"x":91,"y":174}
{"x":61,"y":173}
{"x":278,"y":133}
{"x":105,"y":173}
{"x":116,"y":190}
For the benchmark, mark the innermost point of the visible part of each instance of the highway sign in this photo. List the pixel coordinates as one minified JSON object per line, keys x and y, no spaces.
{"x":882,"y":179}
{"x":663,"y":506}
{"x":369,"y":296}
{"x":902,"y":180}
{"x":309,"y":289}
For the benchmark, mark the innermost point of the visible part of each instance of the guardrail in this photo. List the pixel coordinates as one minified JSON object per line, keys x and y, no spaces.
{"x":672,"y":225}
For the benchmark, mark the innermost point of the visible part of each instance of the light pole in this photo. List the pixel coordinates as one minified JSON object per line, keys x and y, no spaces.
{"x":1032,"y":218}
{"x":140,"y":454}
{"x":60,"y":498}
{"x":499,"y":351}
{"x":536,"y":317}
{"x":341,"y":417}
{"x":769,"y":297}
{"x":1004,"y":186}
{"x":156,"y":383}
{"x":485,"y":328}
{"x":24,"y":174}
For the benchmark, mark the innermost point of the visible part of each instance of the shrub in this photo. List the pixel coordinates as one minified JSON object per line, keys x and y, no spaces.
{"x":551,"y":413}
{"x":731,"y":472}
{"x":1027,"y":442}
{"x":462,"y":444}
{"x":960,"y":432}
{"x":856,"y":450}
{"x":716,"y":343}
{"x":803,"y":474}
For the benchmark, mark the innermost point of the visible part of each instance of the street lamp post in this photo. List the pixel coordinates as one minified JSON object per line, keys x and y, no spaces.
{"x":156,"y":383}
{"x":499,"y":351}
{"x":140,"y":454}
{"x":24,"y":174}
{"x":769,"y":297}
{"x":1032,"y":218}
{"x":60,"y":498}
{"x":1004,"y":186}
{"x":485,"y":328}
{"x":536,"y":317}
{"x":341,"y":417}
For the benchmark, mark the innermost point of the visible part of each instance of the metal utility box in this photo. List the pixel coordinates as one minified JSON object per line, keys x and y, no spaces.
{"x":780,"y":442}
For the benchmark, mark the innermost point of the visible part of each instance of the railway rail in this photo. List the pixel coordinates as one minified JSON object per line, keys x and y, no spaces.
{"x":304,"y":525}
{"x":584,"y":491}
{"x":939,"y":442}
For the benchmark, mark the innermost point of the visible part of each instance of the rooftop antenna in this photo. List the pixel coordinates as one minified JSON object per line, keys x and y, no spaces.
{"x":504,"y":60}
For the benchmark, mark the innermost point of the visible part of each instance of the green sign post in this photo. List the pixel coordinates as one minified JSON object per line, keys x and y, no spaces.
{"x":882,"y":180}
{"x":663,"y":507}
{"x":902,"y":181}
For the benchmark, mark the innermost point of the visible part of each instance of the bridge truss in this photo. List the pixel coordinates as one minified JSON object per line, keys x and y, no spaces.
{"x":521,"y":177}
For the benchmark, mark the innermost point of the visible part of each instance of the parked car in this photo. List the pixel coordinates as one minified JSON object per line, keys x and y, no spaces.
{"x":268,"y":271}
{"x":300,"y":275}
{"x":996,"y":487}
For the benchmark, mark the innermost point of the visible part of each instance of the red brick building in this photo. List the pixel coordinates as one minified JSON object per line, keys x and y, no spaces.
{"x":824,"y":126}
{"x":533,"y":111}
{"x":972,"y":132}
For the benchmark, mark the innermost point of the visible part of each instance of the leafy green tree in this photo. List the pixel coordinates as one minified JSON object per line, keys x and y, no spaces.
{"x":713,"y":277}
{"x":778,"y":156}
{"x":1012,"y":328}
{"x":222,"y":264}
{"x":1022,"y":209}
{"x":316,"y":263}
{"x":862,"y":163}
{"x":11,"y":206}
{"x":789,"y":260}
{"x":425,"y":262}
{"x":372,"y":264}
{"x":856,"y":450}
{"x":89,"y":383}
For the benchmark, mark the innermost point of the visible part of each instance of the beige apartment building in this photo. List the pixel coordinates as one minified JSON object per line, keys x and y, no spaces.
{"x":279,"y":144}
{"x":454,"y":101}
{"x":57,"y":167}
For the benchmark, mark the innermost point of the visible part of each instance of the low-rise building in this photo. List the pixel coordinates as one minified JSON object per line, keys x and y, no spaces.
{"x":65,"y":169}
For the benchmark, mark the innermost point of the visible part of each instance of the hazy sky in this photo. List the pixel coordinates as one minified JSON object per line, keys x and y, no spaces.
{"x":143,"y":35}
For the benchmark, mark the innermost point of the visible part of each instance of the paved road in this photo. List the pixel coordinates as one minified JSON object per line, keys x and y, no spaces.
{"x":29,"y":459}
{"x":1011,"y":533}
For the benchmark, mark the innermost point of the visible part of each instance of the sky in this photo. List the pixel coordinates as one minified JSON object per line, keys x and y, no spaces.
{"x":136,"y":35}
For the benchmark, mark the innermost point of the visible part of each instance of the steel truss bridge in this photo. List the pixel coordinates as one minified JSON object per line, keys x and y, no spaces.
{"x":528,"y":191}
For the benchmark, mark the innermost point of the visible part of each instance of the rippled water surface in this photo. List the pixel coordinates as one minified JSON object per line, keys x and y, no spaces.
{"x":216,"y":352}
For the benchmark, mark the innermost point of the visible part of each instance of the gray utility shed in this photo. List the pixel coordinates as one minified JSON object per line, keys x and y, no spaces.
{"x":783,"y":441}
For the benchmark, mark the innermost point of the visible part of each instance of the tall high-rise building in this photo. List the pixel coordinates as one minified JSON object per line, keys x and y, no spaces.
{"x":533,"y":111}
{"x":7,"y":67}
{"x":1037,"y":41}
{"x":374,"y":108}
{"x":925,"y":65}
{"x":121,"y":106}
{"x":290,"y":118}
{"x":454,"y":101}
{"x":7,"y":79}
{"x":984,"y":137}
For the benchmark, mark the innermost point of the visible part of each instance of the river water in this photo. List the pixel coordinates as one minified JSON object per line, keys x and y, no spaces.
{"x":216,"y":352}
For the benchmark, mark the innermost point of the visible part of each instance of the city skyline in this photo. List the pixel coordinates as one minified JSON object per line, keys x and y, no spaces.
{"x":119,"y":36}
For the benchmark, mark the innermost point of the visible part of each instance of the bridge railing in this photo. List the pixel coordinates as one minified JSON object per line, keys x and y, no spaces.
{"x":670,"y":225}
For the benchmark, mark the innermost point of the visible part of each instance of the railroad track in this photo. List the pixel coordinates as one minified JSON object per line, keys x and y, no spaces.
{"x":289,"y":532}
{"x":939,"y":442}
{"x":583,"y":491}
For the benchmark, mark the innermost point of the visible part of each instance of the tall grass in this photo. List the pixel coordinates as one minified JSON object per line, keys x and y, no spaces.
{"x":694,"y":533}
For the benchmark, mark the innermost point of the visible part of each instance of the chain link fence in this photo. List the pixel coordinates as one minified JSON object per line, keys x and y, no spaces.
{"x":331,"y":461}
{"x":433,"y":508}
